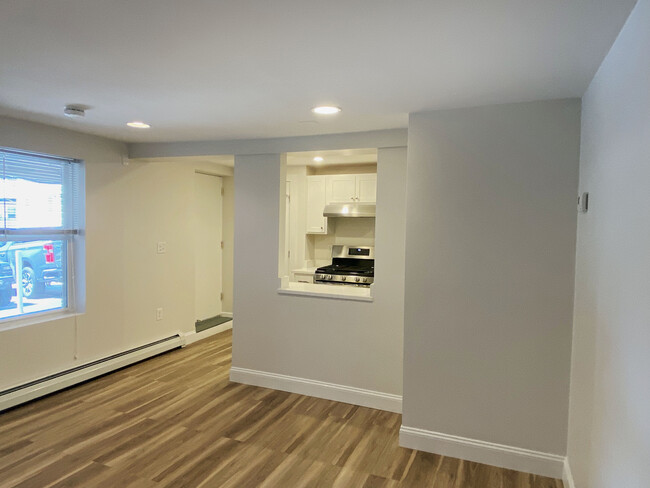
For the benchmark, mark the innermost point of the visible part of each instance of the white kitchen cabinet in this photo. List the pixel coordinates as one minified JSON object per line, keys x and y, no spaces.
{"x":366,"y":186}
{"x":352,"y":188}
{"x":324,"y":189}
{"x":342,"y":188}
{"x":317,"y":192}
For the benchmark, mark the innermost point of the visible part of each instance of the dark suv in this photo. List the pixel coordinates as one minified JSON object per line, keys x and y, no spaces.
{"x":42,"y":264}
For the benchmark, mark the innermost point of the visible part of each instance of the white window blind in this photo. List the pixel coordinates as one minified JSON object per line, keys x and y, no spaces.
{"x":39,"y":195}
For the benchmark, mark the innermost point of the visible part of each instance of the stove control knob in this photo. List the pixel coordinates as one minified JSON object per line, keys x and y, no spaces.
{"x":343,"y":278}
{"x":357,"y":279}
{"x":329,"y":277}
{"x":365,"y":280}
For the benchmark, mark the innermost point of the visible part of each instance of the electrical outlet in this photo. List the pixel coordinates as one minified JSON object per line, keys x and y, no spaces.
{"x":162,"y":247}
{"x":159,"y":314}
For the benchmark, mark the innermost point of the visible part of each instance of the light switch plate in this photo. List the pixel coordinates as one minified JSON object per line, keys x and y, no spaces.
{"x":162,"y":247}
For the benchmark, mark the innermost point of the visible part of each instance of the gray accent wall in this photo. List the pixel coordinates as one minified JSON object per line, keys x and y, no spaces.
{"x":490,"y":246}
{"x":609,"y":421}
{"x":348,"y":343}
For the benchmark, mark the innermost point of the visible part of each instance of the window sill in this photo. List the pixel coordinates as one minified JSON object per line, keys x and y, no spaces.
{"x":36,"y":318}
{"x":336,"y":292}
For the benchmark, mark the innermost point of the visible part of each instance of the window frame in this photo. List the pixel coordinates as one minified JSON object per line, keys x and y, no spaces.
{"x":71,"y":237}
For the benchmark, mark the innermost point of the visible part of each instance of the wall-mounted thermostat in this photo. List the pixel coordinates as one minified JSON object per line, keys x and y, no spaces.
{"x":583,"y":202}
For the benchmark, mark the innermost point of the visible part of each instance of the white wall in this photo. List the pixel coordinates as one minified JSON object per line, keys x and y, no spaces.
{"x":490,"y":243}
{"x":356,"y":344}
{"x":609,"y":422}
{"x":128,"y":209}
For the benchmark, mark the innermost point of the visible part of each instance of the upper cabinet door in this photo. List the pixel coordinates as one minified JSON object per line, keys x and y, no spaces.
{"x":342,"y":188}
{"x":366,"y":188}
{"x":316,"y":201}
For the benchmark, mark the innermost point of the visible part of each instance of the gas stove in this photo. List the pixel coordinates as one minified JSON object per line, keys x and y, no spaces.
{"x":351,"y":265}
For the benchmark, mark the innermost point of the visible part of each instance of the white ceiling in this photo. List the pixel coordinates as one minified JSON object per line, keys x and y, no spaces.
{"x":228,"y":69}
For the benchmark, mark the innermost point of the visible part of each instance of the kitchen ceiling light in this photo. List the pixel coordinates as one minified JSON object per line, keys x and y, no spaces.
{"x":326,"y":110}
{"x":318,"y":159}
{"x":137,"y":124}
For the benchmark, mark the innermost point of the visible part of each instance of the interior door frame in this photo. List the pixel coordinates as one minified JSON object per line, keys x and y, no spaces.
{"x":219,"y":302}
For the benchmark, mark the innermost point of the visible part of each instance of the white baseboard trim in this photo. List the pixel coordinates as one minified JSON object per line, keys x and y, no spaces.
{"x":191,"y":337}
{"x":500,"y":455}
{"x":226,"y":314}
{"x":319,"y":389}
{"x":567,"y":476}
{"x":59,"y":381}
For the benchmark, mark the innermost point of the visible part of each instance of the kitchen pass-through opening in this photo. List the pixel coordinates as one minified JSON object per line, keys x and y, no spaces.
{"x":327,"y":224}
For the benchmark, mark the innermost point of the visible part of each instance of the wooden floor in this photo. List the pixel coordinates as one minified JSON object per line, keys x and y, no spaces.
{"x":176,"y":421}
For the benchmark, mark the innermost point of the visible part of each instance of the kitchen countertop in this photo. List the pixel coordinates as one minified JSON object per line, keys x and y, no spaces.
{"x":339,"y":292}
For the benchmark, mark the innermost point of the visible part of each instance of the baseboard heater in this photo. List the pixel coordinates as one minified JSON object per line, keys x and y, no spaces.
{"x":58,"y":381}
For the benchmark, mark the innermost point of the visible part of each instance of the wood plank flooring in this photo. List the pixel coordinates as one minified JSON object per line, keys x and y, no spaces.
{"x":176,"y":421}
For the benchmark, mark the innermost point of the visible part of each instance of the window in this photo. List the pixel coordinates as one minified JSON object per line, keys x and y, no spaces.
{"x":40,"y":221}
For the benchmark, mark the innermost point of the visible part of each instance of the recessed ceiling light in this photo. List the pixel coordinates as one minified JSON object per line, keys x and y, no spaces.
{"x":326,"y":110}
{"x":137,"y":124}
{"x":318,"y":159}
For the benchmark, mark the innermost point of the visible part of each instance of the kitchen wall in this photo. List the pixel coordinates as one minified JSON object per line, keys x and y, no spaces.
{"x":354,"y":344}
{"x":490,"y":245}
{"x":297,"y":180}
{"x":128,"y":209}
{"x":357,"y":231}
{"x":609,"y":421}
{"x":343,"y":169}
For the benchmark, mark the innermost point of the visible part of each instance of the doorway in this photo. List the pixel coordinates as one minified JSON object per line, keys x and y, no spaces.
{"x":208,"y":256}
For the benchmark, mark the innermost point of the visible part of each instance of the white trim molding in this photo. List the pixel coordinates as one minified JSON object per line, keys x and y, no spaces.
{"x":191,"y":337}
{"x":509,"y":457}
{"x":567,"y":476}
{"x":319,"y":389}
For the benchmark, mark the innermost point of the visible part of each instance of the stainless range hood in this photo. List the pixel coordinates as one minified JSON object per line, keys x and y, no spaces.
{"x":349,"y":210}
